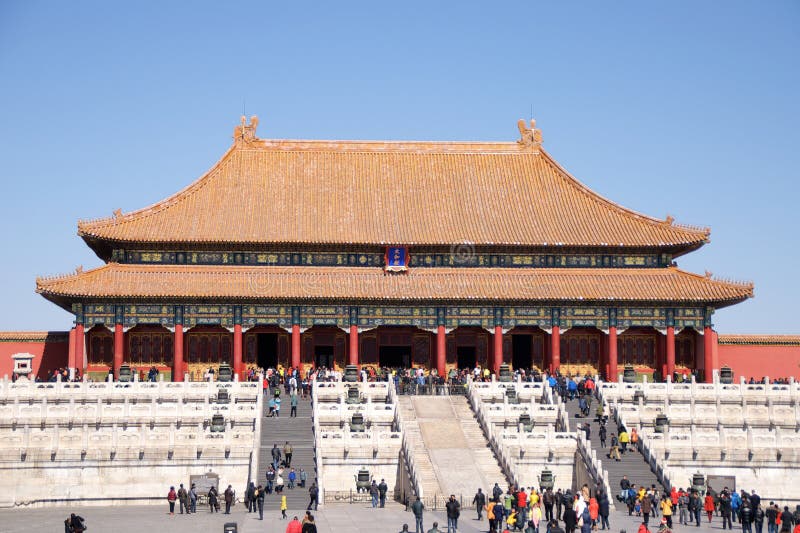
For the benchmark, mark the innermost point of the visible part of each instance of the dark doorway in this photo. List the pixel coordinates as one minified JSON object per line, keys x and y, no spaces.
{"x":323,"y":356}
{"x":521,"y":347}
{"x":267,"y":346}
{"x":466,"y":357}
{"x":395,"y":356}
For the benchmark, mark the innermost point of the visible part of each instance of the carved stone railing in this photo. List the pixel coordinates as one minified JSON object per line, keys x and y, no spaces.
{"x":408,"y":455}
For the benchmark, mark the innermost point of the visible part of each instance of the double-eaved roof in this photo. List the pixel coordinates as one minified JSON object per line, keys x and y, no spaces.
{"x":347,"y":194}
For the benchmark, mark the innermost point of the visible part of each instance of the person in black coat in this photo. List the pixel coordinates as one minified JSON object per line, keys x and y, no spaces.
{"x":570,"y":519}
{"x":603,"y":510}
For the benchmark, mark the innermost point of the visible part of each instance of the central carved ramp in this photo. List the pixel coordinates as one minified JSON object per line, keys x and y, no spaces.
{"x":456,"y":446}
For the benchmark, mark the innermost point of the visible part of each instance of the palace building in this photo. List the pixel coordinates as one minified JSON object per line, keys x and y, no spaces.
{"x":432,"y":254}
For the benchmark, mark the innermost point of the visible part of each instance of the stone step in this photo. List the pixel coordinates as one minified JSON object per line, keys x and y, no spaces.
{"x":633,"y":463}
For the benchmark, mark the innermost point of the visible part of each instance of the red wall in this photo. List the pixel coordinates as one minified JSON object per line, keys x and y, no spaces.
{"x":50,"y":350}
{"x":761,"y":360}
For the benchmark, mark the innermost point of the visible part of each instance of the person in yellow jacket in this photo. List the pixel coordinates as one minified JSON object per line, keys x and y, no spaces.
{"x":283,"y":507}
{"x":624,"y":439}
{"x":666,"y":511}
{"x":489,"y":508}
{"x":512,"y":519}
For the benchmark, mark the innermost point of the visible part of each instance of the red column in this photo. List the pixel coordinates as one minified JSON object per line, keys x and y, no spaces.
{"x":295,"y":345}
{"x":708,"y":353}
{"x":441,"y":350}
{"x":715,"y":349}
{"x":497,"y":360}
{"x":612,"y":354}
{"x":353,"y":354}
{"x":670,"y":351}
{"x":79,"y":344}
{"x":71,"y":353}
{"x":555,"y":349}
{"x":119,"y":348}
{"x":237,"y":350}
{"x":177,"y":358}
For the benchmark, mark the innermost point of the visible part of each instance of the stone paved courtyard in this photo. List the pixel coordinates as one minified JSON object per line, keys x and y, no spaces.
{"x":334,"y":518}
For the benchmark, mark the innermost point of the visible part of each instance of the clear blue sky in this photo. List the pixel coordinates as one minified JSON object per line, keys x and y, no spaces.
{"x":685,"y":108}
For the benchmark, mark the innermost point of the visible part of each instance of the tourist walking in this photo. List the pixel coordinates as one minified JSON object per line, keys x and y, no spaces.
{"x":213,"y":499}
{"x":453,"y":512}
{"x":193,"y":499}
{"x":287,"y":454}
{"x":313,"y":494}
{"x":479,"y":501}
{"x":276,"y":456}
{"x":418,"y":508}
{"x":382,"y":489}
{"x":228,"y":499}
{"x":294,"y":526}
{"x":708,"y":506}
{"x":183,"y":499}
{"x":373,"y":492}
{"x":284,"y":507}
{"x":772,"y":518}
{"x":310,"y":527}
{"x":250,"y":497}
{"x":293,"y":405}
{"x":260,"y":495}
{"x":603,"y":510}
{"x":171,"y":497}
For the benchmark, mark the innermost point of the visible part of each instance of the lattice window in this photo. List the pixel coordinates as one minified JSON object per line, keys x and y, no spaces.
{"x":638,"y":350}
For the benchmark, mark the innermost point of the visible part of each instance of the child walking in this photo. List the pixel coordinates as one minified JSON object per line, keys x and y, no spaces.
{"x":283,"y":507}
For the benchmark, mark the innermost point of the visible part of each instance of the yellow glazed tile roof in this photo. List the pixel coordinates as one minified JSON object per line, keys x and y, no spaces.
{"x":115,"y":280}
{"x":409,"y":193}
{"x":776,"y":340}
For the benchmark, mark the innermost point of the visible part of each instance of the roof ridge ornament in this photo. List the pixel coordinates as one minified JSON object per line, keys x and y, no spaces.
{"x":530,"y":137}
{"x":246,"y":132}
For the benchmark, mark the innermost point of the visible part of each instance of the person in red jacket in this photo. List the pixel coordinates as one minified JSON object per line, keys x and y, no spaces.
{"x":294,"y":526}
{"x":708,"y":506}
{"x":171,"y":497}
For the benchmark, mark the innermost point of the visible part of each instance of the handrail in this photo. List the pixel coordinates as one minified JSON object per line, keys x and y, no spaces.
{"x":408,"y":455}
{"x":317,"y":443}
{"x":477,"y":406}
{"x":254,"y":454}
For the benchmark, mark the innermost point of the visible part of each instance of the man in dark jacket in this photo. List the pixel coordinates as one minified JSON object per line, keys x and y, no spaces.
{"x":228,"y":499}
{"x":772,"y":518}
{"x":496,"y":491}
{"x":453,"y":512}
{"x":570,"y":519}
{"x":746,"y":516}
{"x":549,"y":499}
{"x":559,"y":502}
{"x":786,"y":519}
{"x":382,"y":489}
{"x":758,"y":518}
{"x":725,"y":508}
{"x":499,"y":513}
{"x":603,"y":509}
{"x":260,"y":494}
{"x":276,"y":456}
{"x":479,"y":501}
{"x":418,"y":508}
